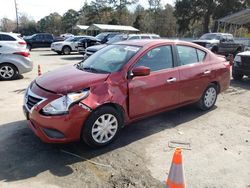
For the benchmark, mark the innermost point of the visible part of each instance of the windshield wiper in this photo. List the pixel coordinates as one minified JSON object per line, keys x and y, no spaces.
{"x":91,"y":69}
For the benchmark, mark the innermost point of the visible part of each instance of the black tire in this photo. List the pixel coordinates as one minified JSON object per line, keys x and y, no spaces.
{"x":10,"y":73}
{"x":236,"y":75}
{"x":90,"y":124}
{"x":215,"y":50}
{"x":29,"y":47}
{"x":66,"y":50}
{"x":203,"y":103}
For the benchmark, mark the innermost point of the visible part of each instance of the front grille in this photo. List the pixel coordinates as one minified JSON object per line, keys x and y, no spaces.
{"x":32,"y":101}
{"x":245,"y":60}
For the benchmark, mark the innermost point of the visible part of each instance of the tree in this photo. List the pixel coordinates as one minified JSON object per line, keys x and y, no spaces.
{"x":120,"y":6}
{"x":69,"y":20}
{"x":189,"y":12}
{"x":51,"y":23}
{"x":7,"y":25}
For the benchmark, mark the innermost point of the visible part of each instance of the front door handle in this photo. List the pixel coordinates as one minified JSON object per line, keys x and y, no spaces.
{"x":207,"y":72}
{"x":171,"y":80}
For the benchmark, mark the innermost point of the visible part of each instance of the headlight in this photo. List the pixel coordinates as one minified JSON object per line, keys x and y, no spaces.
{"x":237,"y":58}
{"x":61,"y":105}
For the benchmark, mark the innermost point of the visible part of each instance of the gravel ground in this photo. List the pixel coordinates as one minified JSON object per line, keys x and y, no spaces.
{"x":140,"y":157}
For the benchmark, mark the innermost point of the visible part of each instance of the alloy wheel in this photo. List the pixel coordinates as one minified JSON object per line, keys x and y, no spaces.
{"x":7,"y":72}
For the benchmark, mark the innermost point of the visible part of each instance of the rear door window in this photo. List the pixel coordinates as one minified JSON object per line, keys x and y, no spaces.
{"x":189,"y":55}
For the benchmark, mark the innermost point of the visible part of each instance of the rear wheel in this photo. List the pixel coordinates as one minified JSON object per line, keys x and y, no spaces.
{"x":66,"y":50}
{"x":102,"y":127}
{"x":8,"y":71}
{"x":208,"y":98}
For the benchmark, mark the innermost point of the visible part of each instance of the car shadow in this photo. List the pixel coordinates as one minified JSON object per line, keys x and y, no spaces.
{"x":23,"y":155}
{"x":52,"y":54}
{"x":70,"y":58}
{"x":244,"y":83}
{"x":19,"y":77}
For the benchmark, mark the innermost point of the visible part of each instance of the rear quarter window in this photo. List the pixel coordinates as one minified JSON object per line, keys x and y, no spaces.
{"x":6,"y":38}
{"x":201,"y":55}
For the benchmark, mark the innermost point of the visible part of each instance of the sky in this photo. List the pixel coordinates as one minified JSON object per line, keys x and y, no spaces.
{"x":37,"y":9}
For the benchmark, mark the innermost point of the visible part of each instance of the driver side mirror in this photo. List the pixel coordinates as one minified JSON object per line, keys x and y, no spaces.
{"x":140,"y":71}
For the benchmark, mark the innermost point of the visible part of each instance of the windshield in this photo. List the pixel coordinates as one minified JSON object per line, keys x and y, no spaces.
{"x":117,"y":38}
{"x":210,"y":37}
{"x":73,"y":39}
{"x":101,"y":36}
{"x":109,"y":59}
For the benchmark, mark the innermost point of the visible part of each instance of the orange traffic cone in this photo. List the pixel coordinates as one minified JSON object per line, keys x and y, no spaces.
{"x":39,"y":70}
{"x":176,"y":175}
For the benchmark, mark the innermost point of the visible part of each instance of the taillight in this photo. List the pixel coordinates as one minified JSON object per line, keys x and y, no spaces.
{"x":22,"y":43}
{"x":25,"y":54}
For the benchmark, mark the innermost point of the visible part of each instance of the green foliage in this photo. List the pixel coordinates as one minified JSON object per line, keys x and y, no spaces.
{"x":155,"y":19}
{"x":69,"y":20}
{"x":188,"y":12}
{"x":50,"y":24}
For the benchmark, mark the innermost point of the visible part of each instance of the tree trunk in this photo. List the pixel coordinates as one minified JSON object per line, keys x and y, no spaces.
{"x":206,"y":22}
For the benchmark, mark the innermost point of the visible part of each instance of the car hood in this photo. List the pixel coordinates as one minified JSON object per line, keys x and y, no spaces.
{"x":246,"y":53}
{"x":96,"y":47}
{"x":61,"y":42}
{"x":214,"y":41}
{"x":69,"y":79}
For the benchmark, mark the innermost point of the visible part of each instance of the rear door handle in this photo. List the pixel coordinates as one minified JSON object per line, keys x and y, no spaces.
{"x":171,"y":80}
{"x":207,"y":72}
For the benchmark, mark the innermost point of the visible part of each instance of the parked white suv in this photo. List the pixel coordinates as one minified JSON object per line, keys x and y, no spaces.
{"x":67,"y":46}
{"x":12,"y":39}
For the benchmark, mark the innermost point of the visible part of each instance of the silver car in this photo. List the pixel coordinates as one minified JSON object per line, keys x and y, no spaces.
{"x":13,"y":62}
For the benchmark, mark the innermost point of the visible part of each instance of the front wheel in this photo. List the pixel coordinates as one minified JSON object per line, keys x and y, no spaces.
{"x":208,"y":98}
{"x":66,"y":50}
{"x":102,"y":127}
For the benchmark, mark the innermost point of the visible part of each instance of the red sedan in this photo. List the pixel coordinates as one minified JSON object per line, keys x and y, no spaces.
{"x":121,"y":83}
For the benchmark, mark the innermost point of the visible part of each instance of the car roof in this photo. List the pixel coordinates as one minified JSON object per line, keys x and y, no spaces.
{"x":145,"y":42}
{"x":219,"y":33}
{"x":9,"y":33}
{"x":153,"y":42}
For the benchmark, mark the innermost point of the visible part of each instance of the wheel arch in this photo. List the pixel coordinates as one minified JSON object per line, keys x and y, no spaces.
{"x":117,"y":107}
{"x":8,"y":63}
{"x":217,"y":85}
{"x":67,"y":46}
{"x":215,"y":49}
